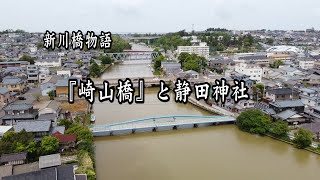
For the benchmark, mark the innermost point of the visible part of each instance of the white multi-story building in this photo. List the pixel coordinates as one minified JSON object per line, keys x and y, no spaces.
{"x":254,"y":71}
{"x":64,"y":72}
{"x":33,"y":73}
{"x":44,"y":72}
{"x":306,"y":64}
{"x":49,"y":62}
{"x":201,"y":50}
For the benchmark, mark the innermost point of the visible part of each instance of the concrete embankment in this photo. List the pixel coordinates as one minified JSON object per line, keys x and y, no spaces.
{"x":213,"y":109}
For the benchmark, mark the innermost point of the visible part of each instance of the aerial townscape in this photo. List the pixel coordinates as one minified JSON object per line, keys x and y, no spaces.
{"x":43,"y":136}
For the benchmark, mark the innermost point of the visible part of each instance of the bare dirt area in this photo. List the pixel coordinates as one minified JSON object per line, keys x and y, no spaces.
{"x":77,"y":106}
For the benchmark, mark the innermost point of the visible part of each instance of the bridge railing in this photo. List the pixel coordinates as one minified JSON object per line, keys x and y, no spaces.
{"x":158,"y":120}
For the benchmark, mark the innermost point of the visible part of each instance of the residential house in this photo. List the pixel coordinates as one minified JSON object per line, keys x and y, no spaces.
{"x":49,"y":84}
{"x":190,"y":74}
{"x":62,"y":87}
{"x":14,"y":84}
{"x":66,"y":141}
{"x":66,"y":72}
{"x":244,"y":105}
{"x":290,"y":116}
{"x":46,"y":88}
{"x":220,"y":64}
{"x":171,"y":67}
{"x":19,"y":111}
{"x":315,"y":111}
{"x":39,"y":128}
{"x":310,"y":97}
{"x":52,"y":160}
{"x":290,"y":71}
{"x":255,"y":72}
{"x":5,"y":96}
{"x":306,"y":64}
{"x":63,"y":172}
{"x":13,"y":159}
{"x":51,"y":112}
{"x":14,"y":64}
{"x":313,"y":127}
{"x":44,"y":72}
{"x":282,"y":94}
{"x":33,"y":74}
{"x":294,"y":105}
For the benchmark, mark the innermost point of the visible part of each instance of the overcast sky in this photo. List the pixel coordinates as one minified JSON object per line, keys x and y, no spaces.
{"x":158,"y":15}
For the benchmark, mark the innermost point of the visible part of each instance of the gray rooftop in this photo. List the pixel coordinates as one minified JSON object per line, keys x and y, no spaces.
{"x":4,"y":90}
{"x":24,"y":116}
{"x":33,"y":126}
{"x":11,"y":81}
{"x":286,"y":114}
{"x":283,"y":91}
{"x":290,"y":103}
{"x":13,"y":157}
{"x":65,"y":82}
{"x":59,"y":129}
{"x":48,"y":60}
{"x":49,"y":161}
{"x":65,"y":172}
{"x":314,"y":127}
{"x":62,"y":83}
{"x":18,"y":107}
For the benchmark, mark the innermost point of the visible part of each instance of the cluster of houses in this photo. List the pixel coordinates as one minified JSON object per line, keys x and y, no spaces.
{"x":19,"y":81}
{"x":291,"y":89}
{"x":48,"y":167}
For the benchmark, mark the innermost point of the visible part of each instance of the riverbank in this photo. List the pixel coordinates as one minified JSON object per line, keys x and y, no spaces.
{"x":310,"y":149}
{"x":103,"y":69}
{"x":213,"y":109}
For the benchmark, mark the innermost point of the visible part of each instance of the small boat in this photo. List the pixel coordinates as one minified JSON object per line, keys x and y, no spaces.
{"x":93,"y":118}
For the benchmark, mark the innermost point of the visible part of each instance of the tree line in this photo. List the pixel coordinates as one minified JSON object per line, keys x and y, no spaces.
{"x":256,"y":122}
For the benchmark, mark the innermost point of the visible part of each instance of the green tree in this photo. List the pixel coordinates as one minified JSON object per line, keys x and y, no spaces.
{"x":82,"y":132}
{"x":171,"y":41}
{"x":118,"y":45}
{"x":270,"y":41}
{"x":192,"y":62}
{"x":157,"y":62}
{"x":254,"y":121}
{"x":105,"y":59}
{"x":258,"y":91}
{"x":51,"y":94}
{"x":183,"y":57}
{"x":276,"y":64}
{"x":302,"y":138}
{"x":66,"y":123}
{"x":79,"y":62}
{"x":27,"y":58}
{"x":15,"y":142}
{"x":94,"y":70}
{"x":33,"y":150}
{"x":49,"y":145}
{"x":279,"y":129}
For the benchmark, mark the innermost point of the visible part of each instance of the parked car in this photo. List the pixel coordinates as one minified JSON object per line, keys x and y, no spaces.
{"x":21,"y":98}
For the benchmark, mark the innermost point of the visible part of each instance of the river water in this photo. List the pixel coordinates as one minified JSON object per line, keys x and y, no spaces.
{"x":219,"y":152}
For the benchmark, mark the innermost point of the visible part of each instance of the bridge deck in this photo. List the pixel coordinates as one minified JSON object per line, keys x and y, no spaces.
{"x":159,"y":124}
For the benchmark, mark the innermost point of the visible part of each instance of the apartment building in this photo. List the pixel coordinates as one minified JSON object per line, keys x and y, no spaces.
{"x":254,"y":72}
